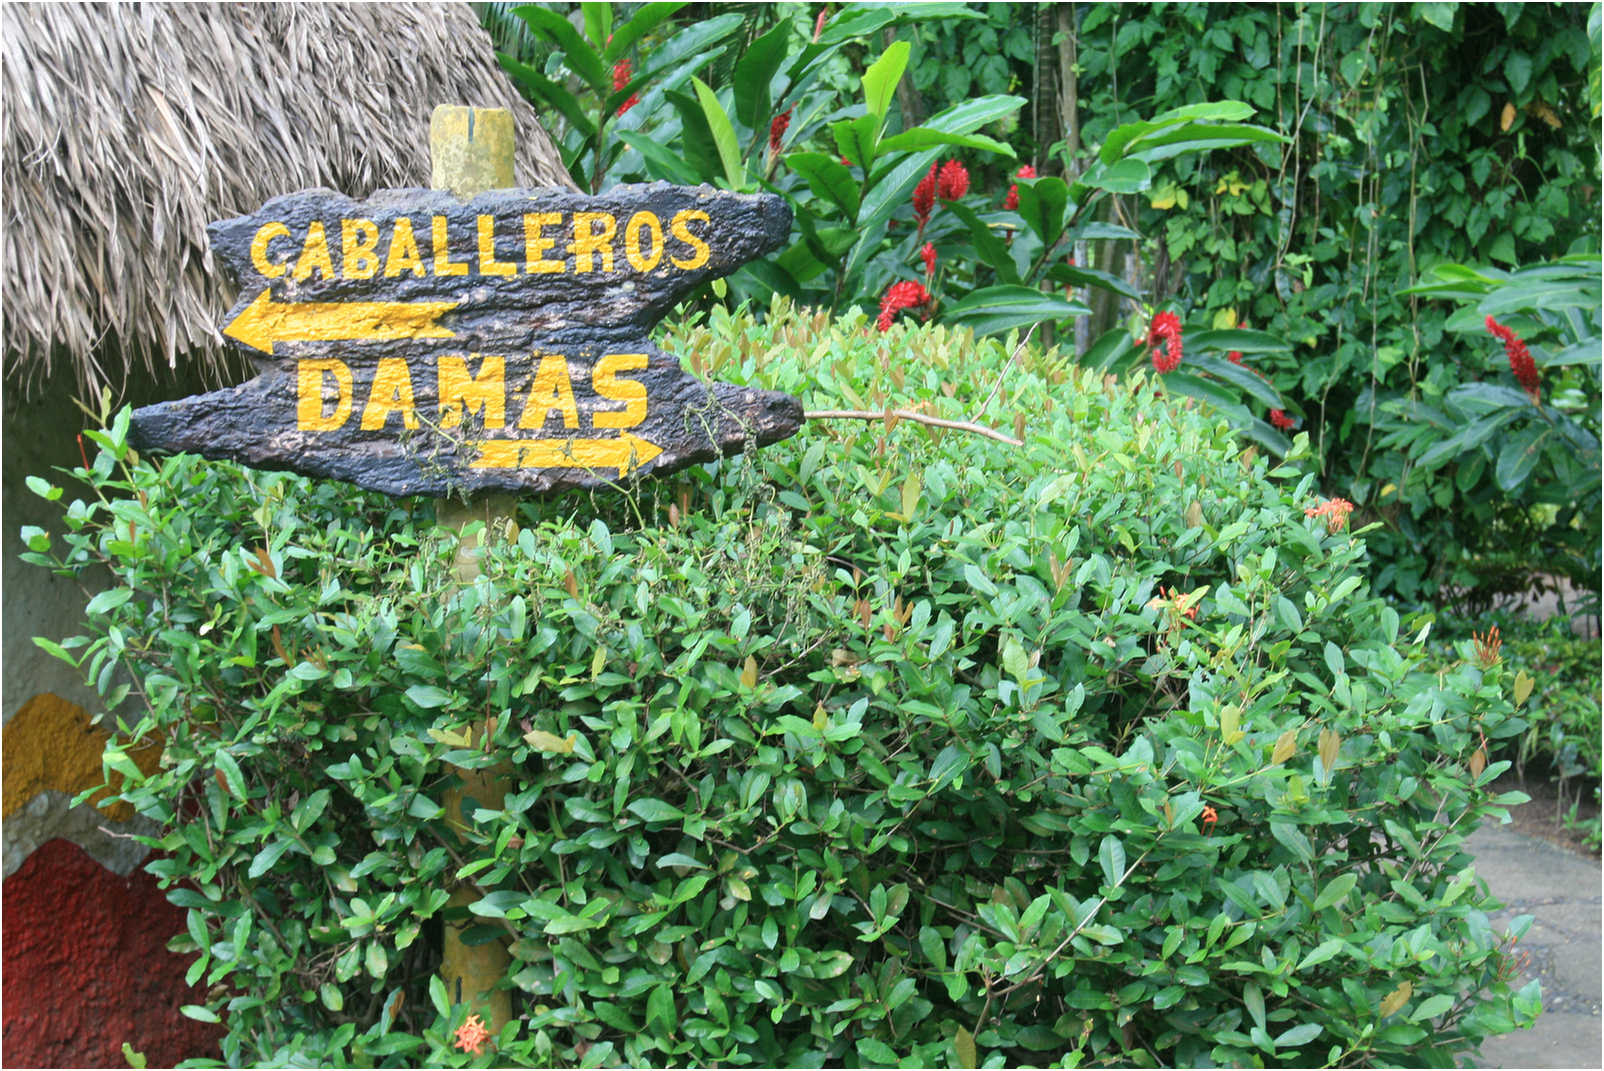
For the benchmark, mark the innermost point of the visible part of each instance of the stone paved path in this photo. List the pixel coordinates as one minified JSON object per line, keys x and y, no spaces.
{"x":1563,"y":891}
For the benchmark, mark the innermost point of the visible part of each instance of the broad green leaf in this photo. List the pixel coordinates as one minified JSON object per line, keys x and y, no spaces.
{"x":428,"y":696}
{"x":880,"y":80}
{"x":1102,"y":280}
{"x":107,"y":601}
{"x":645,"y":20}
{"x":551,"y":743}
{"x":1301,"y":1034}
{"x":231,"y":774}
{"x":718,"y":122}
{"x":577,"y":55}
{"x":754,"y":74}
{"x":1237,"y":338}
{"x":1245,"y":379}
{"x":1123,"y":176}
{"x":655,"y":810}
{"x":267,"y":857}
{"x":1043,"y":205}
{"x":660,"y":1009}
{"x":923,"y":137}
{"x":855,"y":140}
{"x":828,"y":180}
{"x":1518,"y":457}
{"x":1321,"y":952}
{"x":1198,"y":138}
{"x":598,"y":21}
{"x":1111,"y":857}
{"x":697,"y":144}
{"x":1336,"y":890}
{"x":549,"y":93}
{"x":662,"y":161}
{"x":991,"y":247}
{"x":963,"y":1046}
{"x":995,"y":310}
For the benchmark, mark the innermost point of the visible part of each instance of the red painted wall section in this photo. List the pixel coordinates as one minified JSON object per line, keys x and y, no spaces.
{"x":87,"y":967}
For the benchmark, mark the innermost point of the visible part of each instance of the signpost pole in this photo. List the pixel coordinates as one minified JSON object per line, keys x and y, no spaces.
{"x":471,"y":151}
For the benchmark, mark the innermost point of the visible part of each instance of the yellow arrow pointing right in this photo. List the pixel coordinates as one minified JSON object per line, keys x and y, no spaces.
{"x":625,"y":453}
{"x":264,"y":321}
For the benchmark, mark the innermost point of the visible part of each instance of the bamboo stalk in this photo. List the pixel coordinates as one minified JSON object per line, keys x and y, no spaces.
{"x":471,"y":151}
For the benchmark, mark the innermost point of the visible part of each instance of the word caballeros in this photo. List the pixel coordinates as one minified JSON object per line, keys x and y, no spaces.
{"x":551,"y":243}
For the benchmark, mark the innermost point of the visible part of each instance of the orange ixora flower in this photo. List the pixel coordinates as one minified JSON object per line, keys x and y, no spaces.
{"x":1334,"y":510}
{"x":1184,"y":605}
{"x":1487,"y":646}
{"x":472,"y":1035}
{"x":1210,"y":816}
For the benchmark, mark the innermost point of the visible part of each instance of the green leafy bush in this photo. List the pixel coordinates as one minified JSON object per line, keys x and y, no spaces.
{"x":1556,"y":687}
{"x":890,"y":744}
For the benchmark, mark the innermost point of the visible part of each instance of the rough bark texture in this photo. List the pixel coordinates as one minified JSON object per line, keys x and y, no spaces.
{"x":561,"y":305}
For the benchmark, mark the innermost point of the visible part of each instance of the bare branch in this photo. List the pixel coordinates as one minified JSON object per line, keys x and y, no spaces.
{"x":917,"y":418}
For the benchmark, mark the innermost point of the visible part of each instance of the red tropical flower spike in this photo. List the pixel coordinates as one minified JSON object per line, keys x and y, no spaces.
{"x":1166,"y":329}
{"x":953,"y":182}
{"x":898,"y":296}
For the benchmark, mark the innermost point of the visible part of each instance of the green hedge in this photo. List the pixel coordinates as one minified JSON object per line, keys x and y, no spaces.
{"x":887,"y":745}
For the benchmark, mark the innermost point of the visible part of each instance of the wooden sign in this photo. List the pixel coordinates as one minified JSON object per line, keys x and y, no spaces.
{"x":415,"y":344}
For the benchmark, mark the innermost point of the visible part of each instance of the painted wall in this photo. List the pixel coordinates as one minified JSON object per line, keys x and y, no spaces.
{"x":86,"y":967}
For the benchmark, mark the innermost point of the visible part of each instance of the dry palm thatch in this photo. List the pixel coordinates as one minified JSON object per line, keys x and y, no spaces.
{"x":128,"y":127}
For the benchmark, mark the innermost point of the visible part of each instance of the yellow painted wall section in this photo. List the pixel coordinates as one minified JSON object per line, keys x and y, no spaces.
{"x":50,"y":744}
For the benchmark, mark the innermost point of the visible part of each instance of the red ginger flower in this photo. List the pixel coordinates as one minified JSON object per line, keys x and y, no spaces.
{"x":1166,"y":327}
{"x":622,"y":73}
{"x":777,"y":129}
{"x":904,"y":295}
{"x":1334,"y":510}
{"x":928,"y":255}
{"x":1279,"y":419}
{"x":924,"y":198}
{"x":472,"y":1035}
{"x":1011,"y":202}
{"x":1520,"y":358}
{"x":953,"y":182}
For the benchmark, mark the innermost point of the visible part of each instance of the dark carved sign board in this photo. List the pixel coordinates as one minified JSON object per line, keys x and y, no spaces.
{"x":415,"y":344}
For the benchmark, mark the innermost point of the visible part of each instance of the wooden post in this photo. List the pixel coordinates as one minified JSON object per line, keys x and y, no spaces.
{"x":471,"y":150}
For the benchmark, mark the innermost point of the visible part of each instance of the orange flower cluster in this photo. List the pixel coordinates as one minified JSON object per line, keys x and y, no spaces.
{"x":1487,"y":646}
{"x":1334,"y":510}
{"x":1210,"y":816}
{"x":472,"y":1035}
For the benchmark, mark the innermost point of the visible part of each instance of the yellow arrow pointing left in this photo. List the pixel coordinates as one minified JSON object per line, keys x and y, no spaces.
{"x":625,"y":453}
{"x":265,"y":321}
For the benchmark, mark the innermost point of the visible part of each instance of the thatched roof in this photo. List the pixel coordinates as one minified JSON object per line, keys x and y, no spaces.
{"x":128,"y":127}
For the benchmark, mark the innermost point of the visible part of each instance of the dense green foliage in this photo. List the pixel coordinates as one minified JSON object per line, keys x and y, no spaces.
{"x":871,"y":215}
{"x":885,"y":745}
{"x":1422,"y":134}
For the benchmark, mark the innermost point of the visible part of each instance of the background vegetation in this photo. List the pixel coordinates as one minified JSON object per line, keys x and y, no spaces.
{"x":1418,"y":135}
{"x":1138,"y":742}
